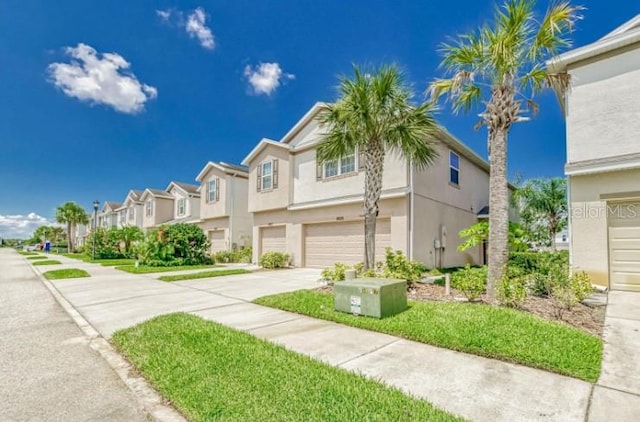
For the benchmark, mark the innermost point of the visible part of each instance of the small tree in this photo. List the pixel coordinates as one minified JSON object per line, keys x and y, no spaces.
{"x":71,"y":214}
{"x":177,"y":244}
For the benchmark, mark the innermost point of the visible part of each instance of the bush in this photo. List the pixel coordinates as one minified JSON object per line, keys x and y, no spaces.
{"x":397,"y":265}
{"x":178,"y":244}
{"x":335,"y":274}
{"x":535,"y":262}
{"x":239,"y":255}
{"x":274,"y":260}
{"x":567,"y":292}
{"x":472,"y":282}
{"x":112,"y":243}
{"x":512,"y":290}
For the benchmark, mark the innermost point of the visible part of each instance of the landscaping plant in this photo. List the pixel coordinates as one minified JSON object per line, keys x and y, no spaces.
{"x":512,"y":290}
{"x":174,"y":245}
{"x":470,"y":281}
{"x":271,"y":260}
{"x":242,"y":255}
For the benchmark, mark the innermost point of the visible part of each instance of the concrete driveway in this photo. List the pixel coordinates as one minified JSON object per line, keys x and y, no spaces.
{"x":111,"y":299}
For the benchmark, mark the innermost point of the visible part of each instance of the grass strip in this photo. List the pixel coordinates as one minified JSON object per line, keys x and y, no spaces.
{"x":490,"y":331}
{"x":33,"y":258}
{"x":143,"y":269}
{"x":47,"y":262}
{"x":210,"y":372}
{"x":106,"y":262}
{"x":204,"y":274}
{"x":66,"y":273}
{"x":26,"y":253}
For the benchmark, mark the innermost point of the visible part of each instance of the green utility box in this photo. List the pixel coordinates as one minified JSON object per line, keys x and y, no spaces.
{"x":374,"y":297}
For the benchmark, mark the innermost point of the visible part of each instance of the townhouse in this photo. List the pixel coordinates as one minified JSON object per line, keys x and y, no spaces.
{"x":313,"y":210}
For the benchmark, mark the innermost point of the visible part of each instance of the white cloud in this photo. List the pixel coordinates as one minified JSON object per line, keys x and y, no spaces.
{"x":101,"y":79}
{"x":265,"y":78}
{"x":21,"y":226}
{"x":196,"y":28}
{"x":164,"y":14}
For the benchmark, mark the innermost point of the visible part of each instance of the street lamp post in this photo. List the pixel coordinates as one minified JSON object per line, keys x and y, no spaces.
{"x":96,"y":204}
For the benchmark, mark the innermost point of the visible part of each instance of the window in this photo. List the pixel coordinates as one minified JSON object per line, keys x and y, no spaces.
{"x":114,"y":220}
{"x":149,"y":208}
{"x":181,"y":206}
{"x":454,"y":168}
{"x":344,"y":165}
{"x":267,"y":175}
{"x":564,"y":237}
{"x":132,"y":213}
{"x":212,"y":190}
{"x":123,"y":216}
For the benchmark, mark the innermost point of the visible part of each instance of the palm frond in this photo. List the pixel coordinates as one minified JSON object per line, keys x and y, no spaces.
{"x":552,"y":35}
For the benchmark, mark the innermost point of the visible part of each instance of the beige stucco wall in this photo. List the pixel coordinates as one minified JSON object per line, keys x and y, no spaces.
{"x":307,"y":189}
{"x":430,"y":217}
{"x":603,"y":111}
{"x":395,"y":209}
{"x":588,"y":218}
{"x":162,"y":212}
{"x":472,"y":192}
{"x":273,"y":198}
{"x":217,"y":208}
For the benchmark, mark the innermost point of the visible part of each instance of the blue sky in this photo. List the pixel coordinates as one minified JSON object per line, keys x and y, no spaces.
{"x":189,"y":97}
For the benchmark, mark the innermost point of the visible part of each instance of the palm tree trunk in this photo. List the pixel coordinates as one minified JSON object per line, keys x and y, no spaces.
{"x":374,"y":156}
{"x":69,"y":236}
{"x":498,"y":211}
{"x":73,"y":237}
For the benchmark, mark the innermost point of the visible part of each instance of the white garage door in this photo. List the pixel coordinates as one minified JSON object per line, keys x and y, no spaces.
{"x":272,"y":239}
{"x":217,"y":241}
{"x":328,"y":243}
{"x":624,"y":247}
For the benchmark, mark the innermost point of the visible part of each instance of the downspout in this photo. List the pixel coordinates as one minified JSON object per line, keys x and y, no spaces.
{"x":569,"y":218}
{"x":411,"y":211}
{"x":231,"y":211}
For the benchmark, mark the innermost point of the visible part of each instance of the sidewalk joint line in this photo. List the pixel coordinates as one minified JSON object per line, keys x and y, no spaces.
{"x":619,"y":390}
{"x":369,"y":352}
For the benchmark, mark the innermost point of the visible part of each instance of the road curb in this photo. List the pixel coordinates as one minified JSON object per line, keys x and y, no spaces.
{"x":146,"y":396}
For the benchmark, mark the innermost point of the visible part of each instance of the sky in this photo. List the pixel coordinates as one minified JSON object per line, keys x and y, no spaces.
{"x":97,"y":98}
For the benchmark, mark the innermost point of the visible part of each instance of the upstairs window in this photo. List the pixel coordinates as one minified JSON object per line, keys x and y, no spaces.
{"x":181,"y":206}
{"x":149,"y":208}
{"x":454,"y":168}
{"x":333,"y":168}
{"x":213,"y":190}
{"x":268,"y":175}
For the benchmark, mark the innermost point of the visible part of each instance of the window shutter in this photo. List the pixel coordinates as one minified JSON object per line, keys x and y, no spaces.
{"x":259,"y":178}
{"x":361,"y":160}
{"x":318,"y":169}
{"x":217,"y":189}
{"x":275,"y":173}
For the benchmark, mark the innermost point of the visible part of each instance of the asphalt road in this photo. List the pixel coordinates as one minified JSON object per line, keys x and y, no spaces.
{"x":48,"y":372}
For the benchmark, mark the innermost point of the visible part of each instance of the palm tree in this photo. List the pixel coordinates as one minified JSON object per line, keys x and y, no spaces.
{"x":374,"y":116}
{"x":500,"y":67}
{"x":543,"y":204}
{"x":71,"y":214}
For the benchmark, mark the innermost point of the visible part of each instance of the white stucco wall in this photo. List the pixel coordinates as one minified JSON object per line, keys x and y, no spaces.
{"x":603,"y":107}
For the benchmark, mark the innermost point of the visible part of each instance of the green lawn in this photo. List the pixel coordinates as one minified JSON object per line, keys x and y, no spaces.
{"x":47,"y":262}
{"x":204,"y":274}
{"x":104,"y":262}
{"x":494,"y":332}
{"x":66,"y":273}
{"x":36,"y":257}
{"x":25,"y":253}
{"x":210,"y":372}
{"x":143,"y":269}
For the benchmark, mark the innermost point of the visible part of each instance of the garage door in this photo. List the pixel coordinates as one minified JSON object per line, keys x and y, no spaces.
{"x":624,"y":247}
{"x":272,"y":239}
{"x":328,"y":243}
{"x":217,"y":241}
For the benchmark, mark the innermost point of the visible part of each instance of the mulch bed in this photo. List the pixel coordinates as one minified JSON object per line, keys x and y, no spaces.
{"x":583,"y":317}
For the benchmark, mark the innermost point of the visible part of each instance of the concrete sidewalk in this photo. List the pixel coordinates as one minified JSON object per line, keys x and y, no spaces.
{"x":616,"y":396}
{"x":476,"y":388}
{"x":48,"y":372}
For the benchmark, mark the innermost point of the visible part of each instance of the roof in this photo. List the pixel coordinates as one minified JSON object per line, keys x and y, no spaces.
{"x":624,"y":35}
{"x":111,"y":205}
{"x":309,"y":116}
{"x":155,"y":192}
{"x":189,"y":188}
{"x":261,"y":145}
{"x":136,"y":194}
{"x":224,"y":167}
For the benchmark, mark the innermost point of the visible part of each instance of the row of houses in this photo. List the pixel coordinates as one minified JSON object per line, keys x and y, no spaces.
{"x":282,"y":199}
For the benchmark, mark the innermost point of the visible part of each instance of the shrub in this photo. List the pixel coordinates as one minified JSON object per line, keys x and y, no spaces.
{"x":337,"y":273}
{"x":567,"y":292}
{"x":581,"y":285}
{"x":535,"y":262}
{"x":178,"y":244}
{"x":470,"y":281}
{"x":512,"y":290}
{"x":397,"y":265}
{"x":274,"y":260}
{"x":239,"y":255}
